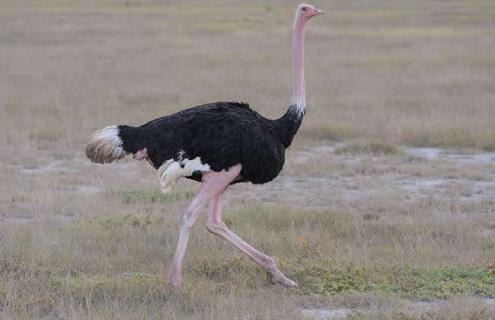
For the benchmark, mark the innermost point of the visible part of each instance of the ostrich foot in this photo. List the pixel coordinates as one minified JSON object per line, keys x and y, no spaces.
{"x":175,"y":280}
{"x":277,"y":277}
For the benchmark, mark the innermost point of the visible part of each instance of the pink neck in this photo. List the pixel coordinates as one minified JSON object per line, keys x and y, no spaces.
{"x":298,"y":93}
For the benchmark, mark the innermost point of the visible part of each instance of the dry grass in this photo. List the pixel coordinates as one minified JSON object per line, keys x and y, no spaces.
{"x":115,"y":263}
{"x":367,"y":147}
{"x":362,"y":225}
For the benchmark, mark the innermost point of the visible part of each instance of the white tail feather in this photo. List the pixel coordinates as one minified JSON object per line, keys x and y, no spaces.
{"x":105,"y":145}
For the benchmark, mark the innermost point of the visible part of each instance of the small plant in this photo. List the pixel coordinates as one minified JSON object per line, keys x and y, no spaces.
{"x":131,"y":220}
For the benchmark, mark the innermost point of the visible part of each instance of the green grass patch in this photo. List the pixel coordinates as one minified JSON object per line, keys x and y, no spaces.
{"x":406,"y":282}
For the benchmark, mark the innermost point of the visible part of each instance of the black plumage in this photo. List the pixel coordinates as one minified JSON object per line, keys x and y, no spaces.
{"x":222,"y":134}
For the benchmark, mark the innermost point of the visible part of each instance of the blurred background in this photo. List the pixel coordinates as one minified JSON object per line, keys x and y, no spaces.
{"x":410,"y":72}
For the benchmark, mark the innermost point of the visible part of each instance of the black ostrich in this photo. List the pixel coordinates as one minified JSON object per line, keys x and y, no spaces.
{"x":217,"y":144}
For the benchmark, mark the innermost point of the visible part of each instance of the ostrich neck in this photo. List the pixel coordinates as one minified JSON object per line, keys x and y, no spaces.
{"x":290,"y":122}
{"x":298,"y":93}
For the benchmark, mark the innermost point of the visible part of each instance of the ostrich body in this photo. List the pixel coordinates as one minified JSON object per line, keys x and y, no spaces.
{"x":217,"y":144}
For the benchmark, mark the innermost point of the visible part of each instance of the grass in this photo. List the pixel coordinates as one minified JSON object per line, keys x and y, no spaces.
{"x":450,"y":311}
{"x":406,"y":282}
{"x":133,"y":276}
{"x":324,"y":280}
{"x":328,"y":132}
{"x":367,"y":147}
{"x":120,"y":260}
{"x":435,"y":32}
{"x":153,"y":196}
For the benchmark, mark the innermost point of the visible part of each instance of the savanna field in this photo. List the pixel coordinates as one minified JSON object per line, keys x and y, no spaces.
{"x":385,"y":208}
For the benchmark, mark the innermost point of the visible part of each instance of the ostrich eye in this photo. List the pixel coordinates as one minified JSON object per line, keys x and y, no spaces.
{"x":305,"y":9}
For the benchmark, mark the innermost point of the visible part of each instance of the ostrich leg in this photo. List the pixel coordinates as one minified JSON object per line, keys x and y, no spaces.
{"x":216,"y":225}
{"x":213,"y":183}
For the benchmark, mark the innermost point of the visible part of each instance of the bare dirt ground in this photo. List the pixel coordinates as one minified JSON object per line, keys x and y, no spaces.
{"x":384,"y":210}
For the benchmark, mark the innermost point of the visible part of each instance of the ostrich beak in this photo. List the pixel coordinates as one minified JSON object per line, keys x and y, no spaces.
{"x":319,"y":12}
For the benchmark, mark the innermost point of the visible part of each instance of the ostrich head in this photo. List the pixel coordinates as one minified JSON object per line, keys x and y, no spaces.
{"x":306,"y":11}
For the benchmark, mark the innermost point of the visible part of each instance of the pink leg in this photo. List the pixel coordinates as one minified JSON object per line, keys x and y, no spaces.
{"x":216,"y":225}
{"x":213,"y":183}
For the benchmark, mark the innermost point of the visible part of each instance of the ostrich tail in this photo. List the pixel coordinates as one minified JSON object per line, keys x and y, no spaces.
{"x":105,"y":145}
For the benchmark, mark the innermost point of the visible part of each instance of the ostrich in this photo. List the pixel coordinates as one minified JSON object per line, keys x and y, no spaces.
{"x":217,"y":144}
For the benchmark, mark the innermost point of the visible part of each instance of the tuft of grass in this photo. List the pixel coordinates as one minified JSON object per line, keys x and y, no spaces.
{"x":128,"y":220}
{"x":153,"y":196}
{"x":367,"y":147}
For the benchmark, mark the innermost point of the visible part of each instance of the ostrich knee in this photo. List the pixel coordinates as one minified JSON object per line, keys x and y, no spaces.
{"x":217,"y":228}
{"x":187,"y":220}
